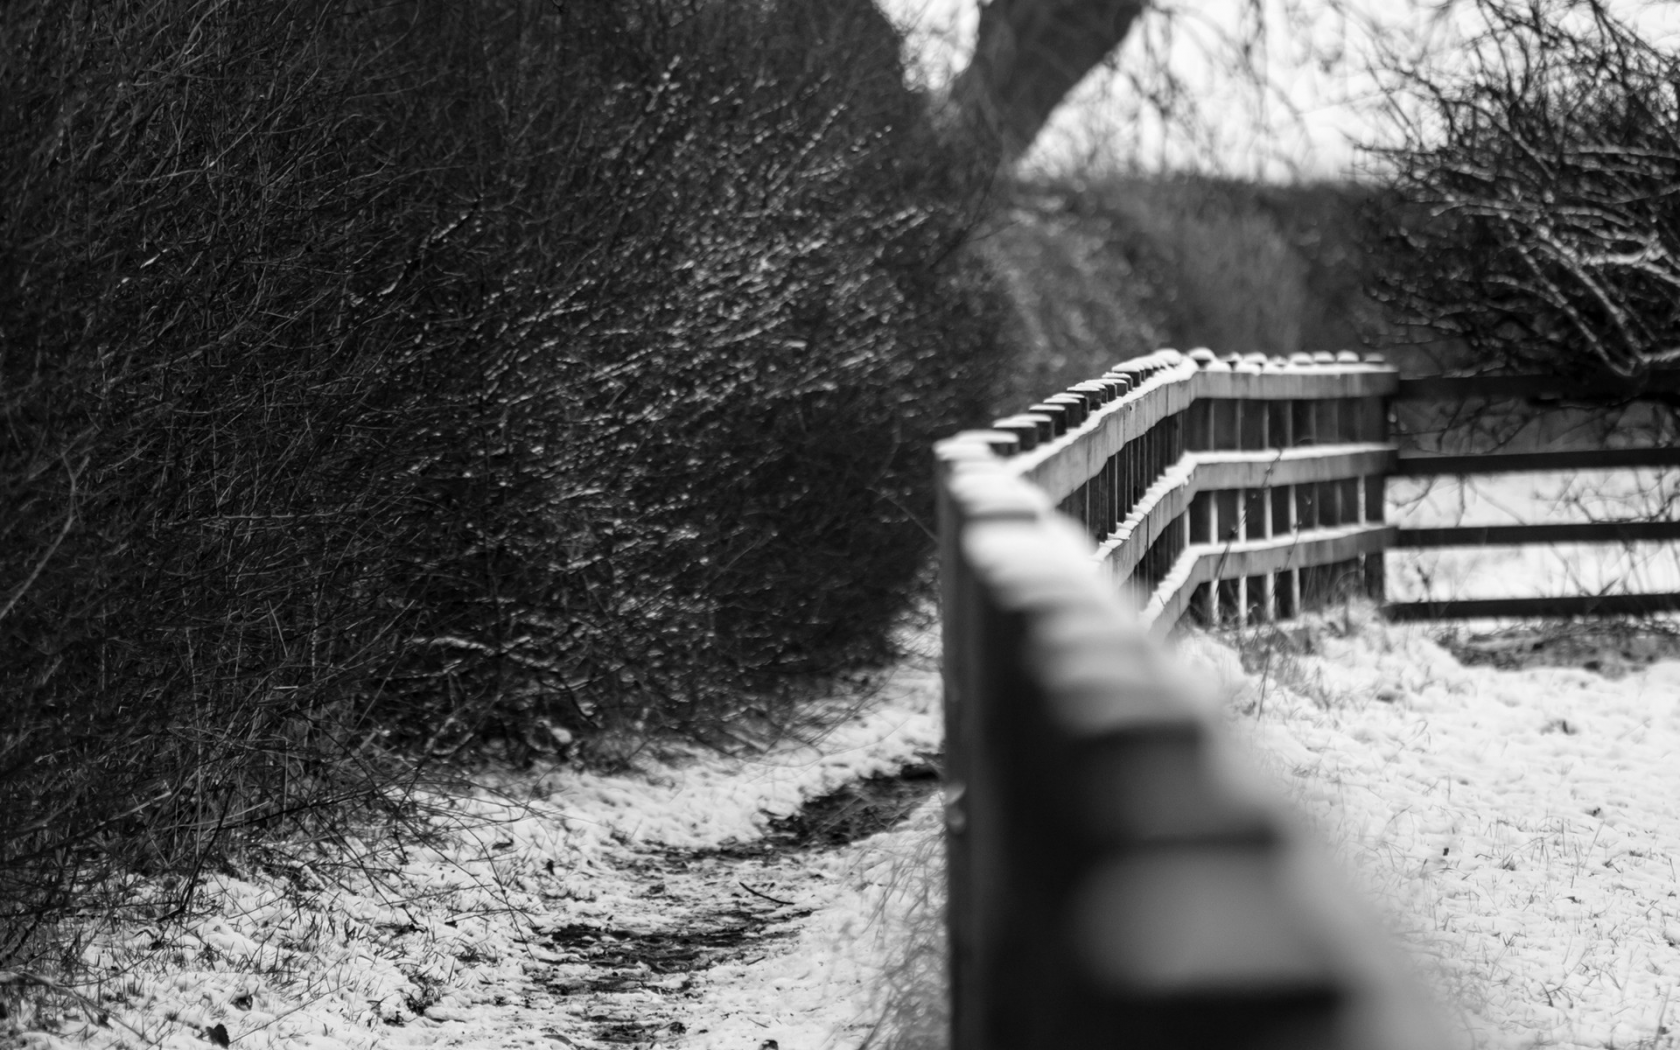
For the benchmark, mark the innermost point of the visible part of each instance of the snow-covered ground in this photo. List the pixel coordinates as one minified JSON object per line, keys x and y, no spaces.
{"x":564,"y":909}
{"x":1519,"y":829}
{"x":1558,"y":497}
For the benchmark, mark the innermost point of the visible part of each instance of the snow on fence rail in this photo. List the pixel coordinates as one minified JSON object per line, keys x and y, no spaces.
{"x":1229,"y":490}
{"x":1112,"y":878}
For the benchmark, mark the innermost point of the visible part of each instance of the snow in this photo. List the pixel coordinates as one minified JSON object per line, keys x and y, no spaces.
{"x":1555,"y":497}
{"x":1519,"y":828}
{"x":711,"y":802}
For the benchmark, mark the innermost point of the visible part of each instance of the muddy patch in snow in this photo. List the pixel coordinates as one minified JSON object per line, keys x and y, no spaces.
{"x":702,"y":912}
{"x":852,"y":812}
{"x":632,"y":973}
{"x":858,"y":810}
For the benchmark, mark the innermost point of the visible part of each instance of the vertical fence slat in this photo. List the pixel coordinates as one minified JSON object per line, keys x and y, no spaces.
{"x":1375,"y":574}
{"x":1280,"y":424}
{"x":1227,"y":424}
{"x":1301,"y":420}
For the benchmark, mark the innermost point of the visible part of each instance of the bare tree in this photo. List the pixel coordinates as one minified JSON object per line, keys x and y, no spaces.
{"x":1028,"y":55}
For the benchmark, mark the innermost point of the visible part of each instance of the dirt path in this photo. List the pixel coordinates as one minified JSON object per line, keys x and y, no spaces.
{"x":550,"y":908}
{"x":634,"y":975}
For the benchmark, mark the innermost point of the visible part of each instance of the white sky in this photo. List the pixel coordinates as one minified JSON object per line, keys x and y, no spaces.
{"x":1320,"y":102}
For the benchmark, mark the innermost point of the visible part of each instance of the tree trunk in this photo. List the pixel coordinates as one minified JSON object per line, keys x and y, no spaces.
{"x":1029,"y":54}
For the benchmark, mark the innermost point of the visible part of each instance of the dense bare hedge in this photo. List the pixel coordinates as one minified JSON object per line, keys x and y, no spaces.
{"x":378,"y":375}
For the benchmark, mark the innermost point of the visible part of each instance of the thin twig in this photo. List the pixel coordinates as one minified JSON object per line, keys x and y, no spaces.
{"x":766,"y":896}
{"x":64,"y":530}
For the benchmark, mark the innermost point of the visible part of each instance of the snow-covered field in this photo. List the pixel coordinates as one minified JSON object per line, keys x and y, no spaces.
{"x":1519,"y":829}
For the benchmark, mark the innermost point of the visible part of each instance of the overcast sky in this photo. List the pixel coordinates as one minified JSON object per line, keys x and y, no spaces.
{"x":1319,"y":102}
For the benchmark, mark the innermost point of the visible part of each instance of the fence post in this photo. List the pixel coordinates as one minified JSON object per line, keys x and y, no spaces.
{"x":974,"y":662}
{"x":956,"y":611}
{"x":1375,"y":567}
{"x":1257,"y":506}
{"x":1203,"y":526}
{"x":1228,"y":530}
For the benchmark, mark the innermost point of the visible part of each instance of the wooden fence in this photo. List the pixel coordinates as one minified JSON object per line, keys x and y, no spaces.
{"x":1222,"y":489}
{"x":1465,"y":393}
{"x":1112,"y":879}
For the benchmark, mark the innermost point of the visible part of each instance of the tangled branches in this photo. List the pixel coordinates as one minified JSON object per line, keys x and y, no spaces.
{"x":377,"y":376}
{"x":1542,"y":170}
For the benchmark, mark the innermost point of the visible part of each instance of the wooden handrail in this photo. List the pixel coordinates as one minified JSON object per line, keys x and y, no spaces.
{"x":1208,"y":563}
{"x":1064,"y":463}
{"x":1164,"y":503}
{"x":1302,"y":382}
{"x":1135,"y":456}
{"x":1290,"y":466}
{"x":1423,"y":465}
{"x":1521,"y":535}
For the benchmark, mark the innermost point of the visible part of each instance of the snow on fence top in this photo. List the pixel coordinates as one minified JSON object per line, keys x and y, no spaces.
{"x":1227,"y":489}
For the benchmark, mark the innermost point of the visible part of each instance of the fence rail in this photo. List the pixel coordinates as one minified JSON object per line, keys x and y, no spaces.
{"x":1465,"y":392}
{"x":1523,"y":608}
{"x":1109,"y":879}
{"x":1659,"y":385}
{"x":1415,"y":465}
{"x":1517,"y":535}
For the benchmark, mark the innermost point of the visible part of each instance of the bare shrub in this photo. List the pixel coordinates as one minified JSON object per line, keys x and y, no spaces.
{"x":1535,"y":192}
{"x":373,"y":377}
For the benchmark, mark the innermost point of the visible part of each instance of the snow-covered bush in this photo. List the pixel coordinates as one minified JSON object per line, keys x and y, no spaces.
{"x":382,"y":374}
